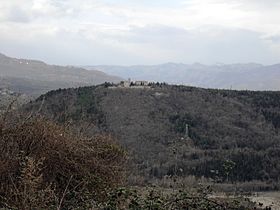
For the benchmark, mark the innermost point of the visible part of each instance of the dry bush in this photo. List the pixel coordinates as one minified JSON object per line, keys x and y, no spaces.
{"x":45,"y":166}
{"x":166,"y":199}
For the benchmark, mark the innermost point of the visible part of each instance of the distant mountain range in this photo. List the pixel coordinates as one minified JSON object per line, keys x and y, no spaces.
{"x":35,"y":77}
{"x":249,"y":76}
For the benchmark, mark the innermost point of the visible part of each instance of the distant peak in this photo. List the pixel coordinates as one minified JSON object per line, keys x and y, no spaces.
{"x":2,"y":55}
{"x":198,"y":65}
{"x":219,"y":64}
{"x":170,"y":63}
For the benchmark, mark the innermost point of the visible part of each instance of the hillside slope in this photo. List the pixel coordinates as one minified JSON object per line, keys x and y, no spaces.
{"x":11,"y":100}
{"x":240,"y":126}
{"x":36,"y":77}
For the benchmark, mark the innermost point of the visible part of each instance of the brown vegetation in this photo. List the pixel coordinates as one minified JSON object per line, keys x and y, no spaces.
{"x":163,"y":199}
{"x":45,"y":166}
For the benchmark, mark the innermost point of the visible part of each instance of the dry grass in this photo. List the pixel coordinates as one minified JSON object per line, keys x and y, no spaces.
{"x":45,"y":166}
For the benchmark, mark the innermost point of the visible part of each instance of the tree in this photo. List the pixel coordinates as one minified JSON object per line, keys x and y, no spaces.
{"x":228,"y":167}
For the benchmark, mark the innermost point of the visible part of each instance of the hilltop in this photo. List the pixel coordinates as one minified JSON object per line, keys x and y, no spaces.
{"x":247,"y":76}
{"x":36,"y":77}
{"x":179,"y":130}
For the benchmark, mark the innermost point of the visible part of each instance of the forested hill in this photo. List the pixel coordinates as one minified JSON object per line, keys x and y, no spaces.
{"x":34,"y":78}
{"x":224,"y":125}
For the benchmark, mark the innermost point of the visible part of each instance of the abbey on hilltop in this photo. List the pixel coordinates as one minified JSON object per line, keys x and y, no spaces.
{"x":129,"y":83}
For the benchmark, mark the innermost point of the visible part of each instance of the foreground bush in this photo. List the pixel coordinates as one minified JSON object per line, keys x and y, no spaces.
{"x":45,"y":166}
{"x":160,"y":199}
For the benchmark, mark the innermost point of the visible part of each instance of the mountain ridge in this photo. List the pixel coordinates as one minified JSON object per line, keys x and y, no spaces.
{"x":30,"y":72}
{"x":251,"y":76}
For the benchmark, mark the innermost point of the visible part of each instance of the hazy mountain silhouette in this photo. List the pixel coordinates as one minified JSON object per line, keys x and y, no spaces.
{"x":36,"y":77}
{"x":249,"y":76}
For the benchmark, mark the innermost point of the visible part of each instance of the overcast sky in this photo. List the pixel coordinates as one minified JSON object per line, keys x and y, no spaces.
{"x":85,"y":32}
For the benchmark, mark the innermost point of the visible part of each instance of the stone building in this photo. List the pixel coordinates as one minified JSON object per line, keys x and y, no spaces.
{"x":141,"y":83}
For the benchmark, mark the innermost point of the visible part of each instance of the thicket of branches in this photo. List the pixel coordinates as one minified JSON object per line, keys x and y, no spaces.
{"x":46,"y":166}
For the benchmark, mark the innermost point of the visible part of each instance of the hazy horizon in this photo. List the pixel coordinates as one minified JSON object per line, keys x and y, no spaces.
{"x":129,"y":65}
{"x":131,"y":32}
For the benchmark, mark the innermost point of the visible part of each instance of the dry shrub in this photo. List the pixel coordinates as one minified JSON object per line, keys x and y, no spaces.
{"x":45,"y":166}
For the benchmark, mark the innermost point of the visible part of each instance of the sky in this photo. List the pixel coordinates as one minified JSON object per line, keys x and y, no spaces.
{"x":130,"y":32}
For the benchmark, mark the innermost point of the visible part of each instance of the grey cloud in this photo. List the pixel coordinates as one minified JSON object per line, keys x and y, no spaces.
{"x":156,"y":34}
{"x":259,"y":4}
{"x":17,"y":14}
{"x":86,"y":40}
{"x":24,"y":13}
{"x":208,"y":44}
{"x":275,"y":39}
{"x":67,"y":49}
